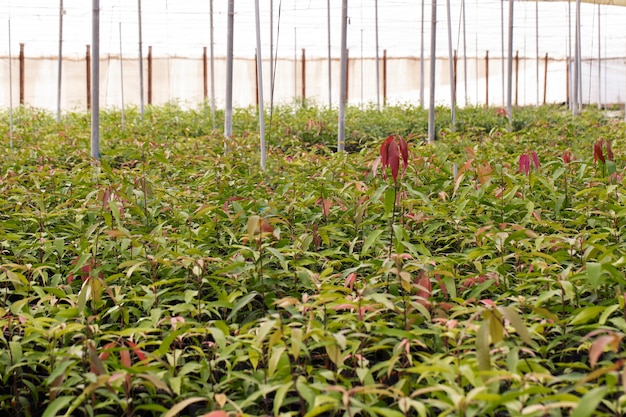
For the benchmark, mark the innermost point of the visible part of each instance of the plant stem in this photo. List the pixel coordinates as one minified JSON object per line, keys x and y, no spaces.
{"x":393,"y":217}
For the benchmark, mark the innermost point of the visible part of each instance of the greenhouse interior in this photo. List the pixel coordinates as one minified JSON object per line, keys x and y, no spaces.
{"x":344,"y":208}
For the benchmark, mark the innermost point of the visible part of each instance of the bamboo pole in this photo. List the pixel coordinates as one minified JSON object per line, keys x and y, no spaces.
{"x":343,"y":90}
{"x":88,"y":78}
{"x":205,"y":81}
{"x":22,"y":64}
{"x":464,"y":53}
{"x":149,"y":75}
{"x":433,"y":66}
{"x":516,"y":78}
{"x":259,"y":65}
{"x":537,"y":47}
{"x":95,"y":76}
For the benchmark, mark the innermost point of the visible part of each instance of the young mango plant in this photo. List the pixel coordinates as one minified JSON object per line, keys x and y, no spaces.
{"x":393,"y":151}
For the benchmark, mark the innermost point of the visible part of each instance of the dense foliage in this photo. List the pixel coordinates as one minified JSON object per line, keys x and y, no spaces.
{"x":176,"y":278}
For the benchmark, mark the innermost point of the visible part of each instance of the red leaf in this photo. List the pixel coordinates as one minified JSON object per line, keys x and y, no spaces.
{"x":535,"y":159}
{"x":404,"y":151}
{"x":393,"y":155}
{"x":125,"y":358}
{"x":138,"y":352}
{"x":609,"y":151}
{"x":524,"y":163}
{"x":597,"y":152}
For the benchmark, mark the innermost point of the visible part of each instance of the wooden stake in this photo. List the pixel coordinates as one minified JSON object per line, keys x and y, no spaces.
{"x":487,"y":79}
{"x":88,"y":65}
{"x":149,"y":75}
{"x":21,"y":74}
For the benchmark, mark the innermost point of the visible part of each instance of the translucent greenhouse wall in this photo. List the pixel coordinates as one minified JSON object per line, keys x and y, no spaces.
{"x":182,"y":80}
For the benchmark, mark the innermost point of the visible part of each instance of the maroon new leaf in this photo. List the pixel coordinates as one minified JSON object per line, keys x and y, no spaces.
{"x":394,"y":150}
{"x":597,"y":152}
{"x":524,"y":163}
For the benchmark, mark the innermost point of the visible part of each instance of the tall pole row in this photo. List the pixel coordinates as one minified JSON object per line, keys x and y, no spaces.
{"x":433,"y":66}
{"x":10,"y":89}
{"x":341,"y":139}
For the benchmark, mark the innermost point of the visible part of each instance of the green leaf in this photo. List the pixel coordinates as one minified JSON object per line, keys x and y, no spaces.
{"x":370,"y":240}
{"x":589,"y":402}
{"x":390,"y":198}
{"x":517,"y":323}
{"x":594,"y":271}
{"x":241,"y":303}
{"x":482,"y":345}
{"x":586,"y":314}
{"x":173,"y":412}
{"x":52,"y":410}
{"x":279,"y":397}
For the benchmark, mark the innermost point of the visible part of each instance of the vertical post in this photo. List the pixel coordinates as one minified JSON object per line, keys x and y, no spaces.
{"x":343,"y":90}
{"x":509,"y":93}
{"x":212,"y":67}
{"x":433,"y":66}
{"x":451,"y":68}
{"x":330,"y":78}
{"x":347,"y":75}
{"x":60,"y":61}
{"x":487,"y":79}
{"x":422,"y":58}
{"x":303,"y":76}
{"x":10,"y":87}
{"x":502,"y":51}
{"x":455,"y":62}
{"x":228,"y":112}
{"x":377,"y":61}
{"x":88,"y":78}
{"x":465,"y":54}
{"x":95,"y":76}
{"x":149,"y":75}
{"x":141,"y":94}
{"x":516,"y":78}
{"x":599,"y":58}
{"x":545,"y":79}
{"x":259,"y":65}
{"x":575,"y":95}
{"x":256,"y":80}
{"x":384,"y":78}
{"x":205,"y":82}
{"x":21,"y":74}
{"x":122,"y":77}
{"x":568,"y":82}
{"x":537,"y":47}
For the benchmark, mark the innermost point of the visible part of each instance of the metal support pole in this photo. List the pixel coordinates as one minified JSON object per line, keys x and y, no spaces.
{"x":422,"y":59}
{"x":95,"y":76}
{"x":341,"y":138}
{"x":377,"y":59}
{"x":451,"y":68}
{"x":433,"y":66}
{"x":330,"y":78}
{"x":509,"y":96}
{"x":228,"y":112}
{"x":259,"y":65}
{"x":60,"y":61}
{"x":212,"y":39}
{"x":141,"y":93}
